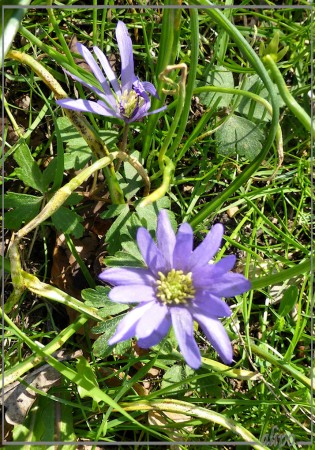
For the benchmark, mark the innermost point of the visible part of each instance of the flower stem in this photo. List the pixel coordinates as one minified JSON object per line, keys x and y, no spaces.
{"x":181,"y":90}
{"x":286,"y":95}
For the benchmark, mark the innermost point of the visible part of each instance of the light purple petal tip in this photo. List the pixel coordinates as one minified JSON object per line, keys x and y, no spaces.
{"x":149,"y":87}
{"x":229,"y":285}
{"x":127,"y":276}
{"x":151,"y":321}
{"x":125,"y":48}
{"x":208,"y":247}
{"x":165,"y":238}
{"x":108,"y":70}
{"x":210,"y":305}
{"x":183,"y":247}
{"x":184,"y":331}
{"x":126,"y":327}
{"x":157,"y":335}
{"x":150,"y":253}
{"x":217,"y":336}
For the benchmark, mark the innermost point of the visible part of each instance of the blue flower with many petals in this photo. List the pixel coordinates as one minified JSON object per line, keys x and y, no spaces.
{"x":177,"y":287}
{"x":127,"y":100}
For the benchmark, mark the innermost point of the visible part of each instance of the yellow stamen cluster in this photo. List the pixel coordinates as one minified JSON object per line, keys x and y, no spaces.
{"x":129,"y":102}
{"x":175,"y":288}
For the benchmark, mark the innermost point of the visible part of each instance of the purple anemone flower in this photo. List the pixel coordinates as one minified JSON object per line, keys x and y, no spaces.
{"x":177,"y":287}
{"x":127,"y":100}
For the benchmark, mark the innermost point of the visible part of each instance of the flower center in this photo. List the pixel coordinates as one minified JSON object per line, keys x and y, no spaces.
{"x":129,"y":101}
{"x":175,"y":288}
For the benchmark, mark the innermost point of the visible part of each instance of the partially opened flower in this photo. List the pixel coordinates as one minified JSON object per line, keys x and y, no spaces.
{"x":127,"y":100}
{"x":177,"y":287}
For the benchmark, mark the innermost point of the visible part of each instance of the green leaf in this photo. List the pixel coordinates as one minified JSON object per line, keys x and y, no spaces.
{"x":24,"y":208}
{"x":132,"y":180}
{"x":241,"y":136}
{"x":250,"y":108}
{"x":98,"y":298}
{"x":113,"y":235}
{"x":124,"y":229}
{"x":288,"y":301}
{"x":28,"y":172}
{"x":123,"y":258}
{"x":176,"y":374}
{"x":101,"y":348}
{"x":78,"y":153}
{"x":84,"y":368}
{"x":68,"y":222}
{"x":218,"y":77}
{"x":49,"y":174}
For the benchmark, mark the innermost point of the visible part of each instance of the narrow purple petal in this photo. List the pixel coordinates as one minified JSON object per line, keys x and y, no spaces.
{"x":94,"y":89}
{"x":149,"y":87}
{"x":209,"y":305}
{"x":229,"y":285}
{"x":149,"y":251}
{"x":184,"y":331}
{"x":208,"y":247}
{"x":139,"y":89}
{"x":84,"y":106}
{"x":111,"y":112}
{"x":204,"y":277}
{"x":165,"y":238}
{"x":139,"y":113}
{"x":163,"y":108}
{"x":125,"y":48}
{"x":157,"y":335}
{"x":183,"y":247}
{"x":151,"y":321}
{"x":217,"y":336}
{"x":224,"y":265}
{"x":126,"y":327}
{"x":87,"y":55}
{"x":108,"y":71}
{"x":134,"y":293}
{"x":119,"y":276}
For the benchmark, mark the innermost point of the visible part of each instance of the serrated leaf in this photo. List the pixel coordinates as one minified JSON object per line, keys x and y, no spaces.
{"x":28,"y":172}
{"x":218,"y":77}
{"x":101,"y":348}
{"x":241,"y":136}
{"x":288,"y":301}
{"x":122,"y":258}
{"x":98,"y":298}
{"x":176,"y":374}
{"x":24,"y":208}
{"x":68,"y":222}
